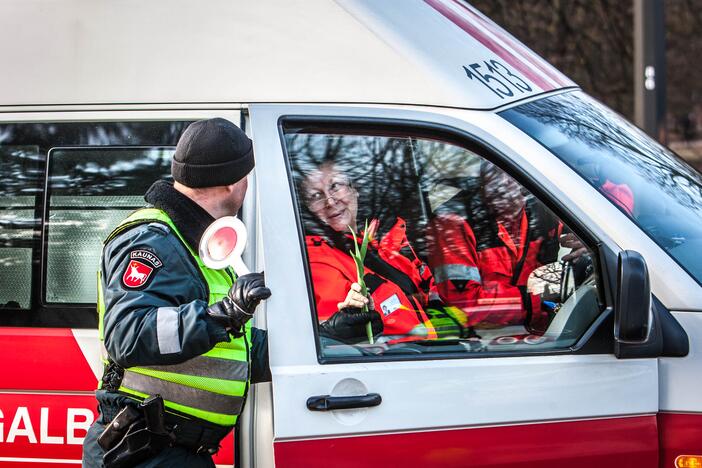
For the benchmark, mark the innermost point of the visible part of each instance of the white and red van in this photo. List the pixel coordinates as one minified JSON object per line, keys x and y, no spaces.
{"x":416,"y":96}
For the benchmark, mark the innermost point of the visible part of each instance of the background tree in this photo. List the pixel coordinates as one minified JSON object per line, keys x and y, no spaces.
{"x":591,"y":41}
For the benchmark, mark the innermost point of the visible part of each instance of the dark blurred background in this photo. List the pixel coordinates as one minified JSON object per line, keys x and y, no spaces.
{"x":592,"y":42}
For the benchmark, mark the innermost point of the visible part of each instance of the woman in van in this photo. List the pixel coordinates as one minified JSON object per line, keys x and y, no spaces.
{"x":398,"y":284}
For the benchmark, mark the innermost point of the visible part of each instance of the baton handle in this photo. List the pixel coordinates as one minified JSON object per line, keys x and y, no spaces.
{"x":240,"y":267}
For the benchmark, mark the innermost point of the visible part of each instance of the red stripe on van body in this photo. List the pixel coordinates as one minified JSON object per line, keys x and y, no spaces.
{"x":36,"y":426}
{"x":680,"y":434}
{"x":516,"y":45}
{"x":616,"y":442}
{"x":43,"y":359}
{"x":503,"y":53}
{"x":225,"y":455}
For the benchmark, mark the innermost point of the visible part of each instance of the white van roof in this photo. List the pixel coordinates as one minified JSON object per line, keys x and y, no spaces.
{"x":428,"y":52}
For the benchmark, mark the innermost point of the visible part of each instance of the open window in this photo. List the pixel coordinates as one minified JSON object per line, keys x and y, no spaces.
{"x":465,"y":260}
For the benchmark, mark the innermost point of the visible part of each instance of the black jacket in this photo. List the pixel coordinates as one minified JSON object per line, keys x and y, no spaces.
{"x":131,"y":321}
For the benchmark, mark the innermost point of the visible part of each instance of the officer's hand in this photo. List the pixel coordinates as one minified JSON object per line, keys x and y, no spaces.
{"x":354,"y":299}
{"x":248,"y":291}
{"x":237,"y":308}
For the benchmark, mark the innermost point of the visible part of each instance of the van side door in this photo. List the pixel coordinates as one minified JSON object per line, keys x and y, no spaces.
{"x":483,"y":381}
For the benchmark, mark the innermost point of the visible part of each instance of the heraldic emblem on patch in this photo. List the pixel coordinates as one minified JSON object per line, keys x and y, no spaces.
{"x":141,"y":264}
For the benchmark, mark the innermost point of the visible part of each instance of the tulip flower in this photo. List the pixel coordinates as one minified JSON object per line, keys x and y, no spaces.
{"x":359,"y":257}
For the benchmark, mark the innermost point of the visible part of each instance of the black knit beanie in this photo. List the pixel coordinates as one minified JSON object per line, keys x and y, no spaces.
{"x":211,"y":153}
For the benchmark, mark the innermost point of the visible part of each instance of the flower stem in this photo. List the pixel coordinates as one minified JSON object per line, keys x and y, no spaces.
{"x":359,"y":256}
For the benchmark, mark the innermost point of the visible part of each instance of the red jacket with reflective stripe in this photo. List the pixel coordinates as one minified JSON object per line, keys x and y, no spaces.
{"x":333,"y":271}
{"x":484,"y":282}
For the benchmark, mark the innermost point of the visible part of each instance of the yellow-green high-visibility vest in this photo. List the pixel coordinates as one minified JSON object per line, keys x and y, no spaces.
{"x":211,"y":387}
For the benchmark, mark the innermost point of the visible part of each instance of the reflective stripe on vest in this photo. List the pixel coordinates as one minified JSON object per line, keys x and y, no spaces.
{"x":211,"y":387}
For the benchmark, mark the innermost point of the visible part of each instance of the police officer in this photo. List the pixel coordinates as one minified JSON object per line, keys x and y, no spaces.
{"x":174,"y":330}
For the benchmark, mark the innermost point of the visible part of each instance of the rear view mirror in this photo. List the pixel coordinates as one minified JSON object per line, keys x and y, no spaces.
{"x":632,"y":313}
{"x":223,"y":243}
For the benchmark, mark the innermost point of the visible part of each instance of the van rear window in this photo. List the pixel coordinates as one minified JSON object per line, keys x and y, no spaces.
{"x":20,"y":184}
{"x":89,"y":191}
{"x":63,"y":186}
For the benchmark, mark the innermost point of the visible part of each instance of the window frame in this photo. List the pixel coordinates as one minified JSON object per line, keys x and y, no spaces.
{"x":596,"y":339}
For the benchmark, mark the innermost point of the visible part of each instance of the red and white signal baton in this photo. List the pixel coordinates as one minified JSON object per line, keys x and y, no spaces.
{"x":223,"y":243}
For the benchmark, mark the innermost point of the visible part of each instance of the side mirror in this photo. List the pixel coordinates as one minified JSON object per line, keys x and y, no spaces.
{"x":637,"y":325}
{"x":632,"y":313}
{"x":223,"y":243}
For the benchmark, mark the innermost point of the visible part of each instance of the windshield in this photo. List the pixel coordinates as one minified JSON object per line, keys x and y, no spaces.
{"x":657,"y":190}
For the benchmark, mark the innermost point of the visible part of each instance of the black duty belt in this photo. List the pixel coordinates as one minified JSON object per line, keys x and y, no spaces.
{"x":194,"y":435}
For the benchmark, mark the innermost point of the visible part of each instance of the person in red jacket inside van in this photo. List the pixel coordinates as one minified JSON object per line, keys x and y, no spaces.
{"x":398,"y":283}
{"x":486,"y":241}
{"x":483,"y":252}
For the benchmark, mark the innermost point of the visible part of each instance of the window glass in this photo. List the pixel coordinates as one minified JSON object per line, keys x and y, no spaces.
{"x":460,"y":259}
{"x":97,"y":173}
{"x":91,"y":190}
{"x":19,"y":179}
{"x":657,"y":190}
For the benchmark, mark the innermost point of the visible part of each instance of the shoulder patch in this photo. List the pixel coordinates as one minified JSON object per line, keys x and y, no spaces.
{"x":140,"y":268}
{"x":146,"y":256}
{"x":136,"y":275}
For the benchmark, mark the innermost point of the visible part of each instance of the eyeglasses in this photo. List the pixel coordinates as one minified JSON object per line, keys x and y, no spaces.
{"x":336,"y":190}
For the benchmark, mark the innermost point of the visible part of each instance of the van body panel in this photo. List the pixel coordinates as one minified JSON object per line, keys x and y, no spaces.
{"x":48,"y":374}
{"x":226,"y":52}
{"x":180,"y":52}
{"x":436,"y":64}
{"x":680,"y":377}
{"x":473,"y":392}
{"x":497,"y":66}
{"x":680,"y":434}
{"x":44,"y":427}
{"x":58,"y":353}
{"x":577,"y":443}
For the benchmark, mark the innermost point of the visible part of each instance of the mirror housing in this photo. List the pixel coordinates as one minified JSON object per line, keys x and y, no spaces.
{"x":632,"y":311}
{"x":636,"y":329}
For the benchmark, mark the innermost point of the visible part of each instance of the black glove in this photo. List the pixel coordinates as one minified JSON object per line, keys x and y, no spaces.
{"x":349,"y":325}
{"x":238,"y":307}
{"x":248,"y":291}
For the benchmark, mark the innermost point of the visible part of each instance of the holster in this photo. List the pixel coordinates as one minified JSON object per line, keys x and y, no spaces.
{"x":138,"y":435}
{"x":118,"y":427}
